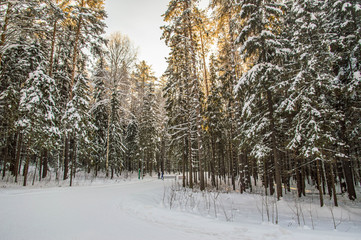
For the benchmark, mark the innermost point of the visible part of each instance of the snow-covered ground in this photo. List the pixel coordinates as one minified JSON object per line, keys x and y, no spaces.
{"x":154,"y":209}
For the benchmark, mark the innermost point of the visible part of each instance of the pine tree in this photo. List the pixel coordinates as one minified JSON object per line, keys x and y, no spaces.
{"x":88,"y":25}
{"x":56,"y":16}
{"x":215,"y":123}
{"x":227,"y":25}
{"x":179,"y":34}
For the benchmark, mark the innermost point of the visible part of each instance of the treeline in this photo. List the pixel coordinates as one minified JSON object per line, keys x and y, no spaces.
{"x":71,"y":100}
{"x":265,"y":92}
{"x":255,"y":93}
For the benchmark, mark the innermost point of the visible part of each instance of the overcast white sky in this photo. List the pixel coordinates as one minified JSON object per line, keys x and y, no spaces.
{"x":141,"y":21}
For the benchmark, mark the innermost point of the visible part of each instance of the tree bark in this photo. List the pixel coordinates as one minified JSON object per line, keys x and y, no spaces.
{"x":190,"y":162}
{"x":72,"y":159}
{"x":6,"y":153}
{"x":45,"y":163}
{"x":265,"y":175}
{"x":17,"y":159}
{"x":213,"y":162}
{"x":329,"y":176}
{"x":53,"y":39}
{"x":274,"y":146}
{"x":299,"y":178}
{"x":66,"y":158}
{"x":193,"y":75}
{"x":318,"y":167}
{"x":108,"y":148}
{"x":75,"y":55}
{"x":184,"y":158}
{"x":36,"y":165}
{"x":204,"y":65}
{"x":333,"y":185}
{"x":232,"y":162}
{"x":26,"y":167}
{"x":349,"y":179}
{"x":41,"y":164}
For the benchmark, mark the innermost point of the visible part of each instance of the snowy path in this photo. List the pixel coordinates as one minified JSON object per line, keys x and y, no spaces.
{"x":128,"y":210}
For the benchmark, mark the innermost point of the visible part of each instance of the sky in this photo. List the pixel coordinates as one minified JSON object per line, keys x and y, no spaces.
{"x":141,"y":21}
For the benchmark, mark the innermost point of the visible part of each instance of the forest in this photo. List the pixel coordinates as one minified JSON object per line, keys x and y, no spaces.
{"x":256,"y":93}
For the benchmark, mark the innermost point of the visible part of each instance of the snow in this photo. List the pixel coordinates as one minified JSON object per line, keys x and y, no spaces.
{"x":345,"y":6}
{"x":140,"y":209}
{"x":357,"y":7}
{"x":357,"y":76}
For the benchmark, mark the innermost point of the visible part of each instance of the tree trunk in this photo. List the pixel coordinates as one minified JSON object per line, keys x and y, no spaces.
{"x":66,"y":158}
{"x":204,"y":65}
{"x":151,"y":158}
{"x":303,"y":178}
{"x":299,"y":178}
{"x":274,"y":146}
{"x":75,"y":55}
{"x":318,"y":165}
{"x":213,"y":162}
{"x":36,"y":165}
{"x":223,"y":163}
{"x":333,"y":185}
{"x":265,"y":175}
{"x":52,"y":49}
{"x":241,"y":181}
{"x":20,"y":163}
{"x":108,"y":148}
{"x":190,"y":160}
{"x":6,"y":153}
{"x":248,"y":172}
{"x":41,"y":164}
{"x":232,"y":163}
{"x":200,"y":154}
{"x":57,"y":167}
{"x":184,"y":163}
{"x":26,"y":167}
{"x":162,"y":157}
{"x":347,"y":165}
{"x":17,"y":159}
{"x":45,"y":163}
{"x":72,"y":159}
{"x":349,"y":179}
{"x":271,"y":176}
{"x":329,"y":176}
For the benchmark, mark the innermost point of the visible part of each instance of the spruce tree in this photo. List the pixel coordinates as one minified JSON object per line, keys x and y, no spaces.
{"x":260,"y":41}
{"x":343,"y":26}
{"x":132,"y":146}
{"x":76,"y":121}
{"x":115,"y":145}
{"x":310,"y":88}
{"x":39,"y":114}
{"x":100,"y":115}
